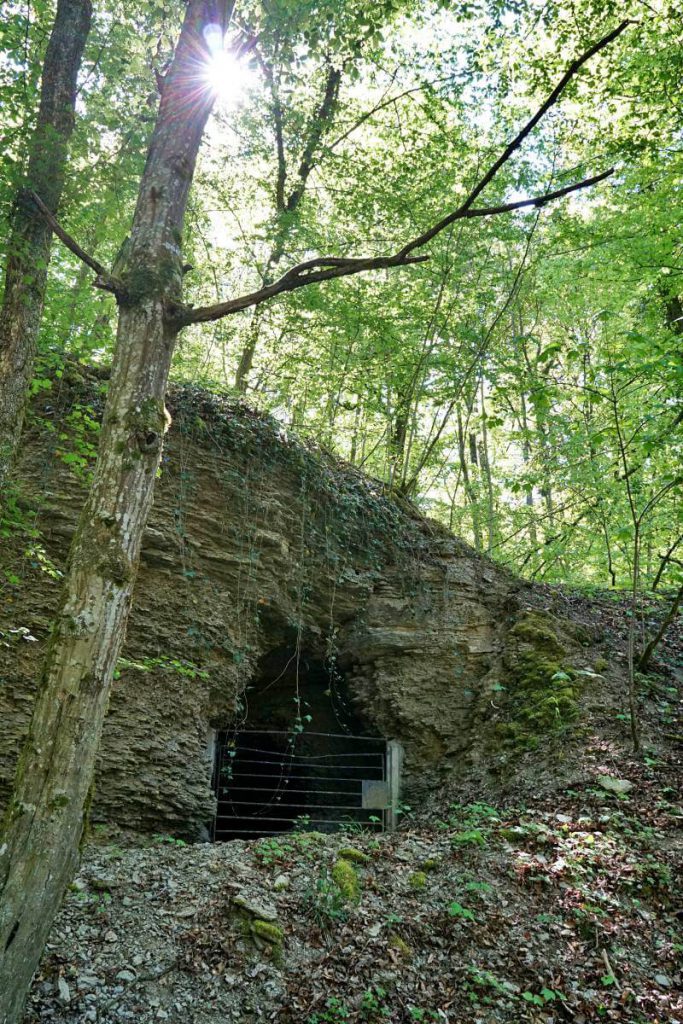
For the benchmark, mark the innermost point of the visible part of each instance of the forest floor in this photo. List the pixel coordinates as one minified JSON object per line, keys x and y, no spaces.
{"x":558,"y":901}
{"x":562,"y":910}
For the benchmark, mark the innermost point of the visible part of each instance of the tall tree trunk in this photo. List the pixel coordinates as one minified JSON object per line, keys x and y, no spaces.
{"x":467,"y":484}
{"x":287,"y":206}
{"x":44,"y":823}
{"x":485,"y":464}
{"x":31,"y":238}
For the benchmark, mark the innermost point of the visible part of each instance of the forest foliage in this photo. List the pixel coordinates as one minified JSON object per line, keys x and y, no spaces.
{"x":523,"y":385}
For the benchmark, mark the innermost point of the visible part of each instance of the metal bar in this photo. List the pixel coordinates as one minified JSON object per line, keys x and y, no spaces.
{"x":394,"y":762}
{"x":316,"y":807}
{"x":258,"y":833}
{"x":306,"y":792}
{"x":292,"y":820}
{"x":288,"y":732}
{"x":334,"y":778}
{"x":289,"y":756}
{"x":292,"y":763}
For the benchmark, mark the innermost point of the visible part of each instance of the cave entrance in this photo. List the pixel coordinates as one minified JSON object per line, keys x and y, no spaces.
{"x":301,"y":760}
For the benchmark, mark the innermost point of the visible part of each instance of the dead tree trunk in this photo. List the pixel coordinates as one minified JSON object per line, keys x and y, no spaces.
{"x":31,"y":237}
{"x":40,"y":836}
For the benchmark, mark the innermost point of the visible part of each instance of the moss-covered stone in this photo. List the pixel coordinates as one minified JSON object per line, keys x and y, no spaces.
{"x":268,"y":932}
{"x":542,"y":689}
{"x":536,"y":628}
{"x":346,"y":879}
{"x":431,"y":864}
{"x":351,"y":853}
{"x":401,"y":946}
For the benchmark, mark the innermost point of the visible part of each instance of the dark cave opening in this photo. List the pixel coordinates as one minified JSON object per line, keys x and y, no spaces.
{"x":301,"y":759}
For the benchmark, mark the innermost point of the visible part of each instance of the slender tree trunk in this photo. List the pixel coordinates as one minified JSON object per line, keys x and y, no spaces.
{"x":631,"y":647}
{"x":31,"y":238}
{"x":287,"y":205}
{"x":44,"y":823}
{"x":645,"y":658}
{"x":468,"y":486}
{"x":486,"y":472}
{"x":398,"y":435}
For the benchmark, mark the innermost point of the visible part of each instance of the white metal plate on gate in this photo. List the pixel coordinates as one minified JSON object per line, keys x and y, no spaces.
{"x":375,"y":795}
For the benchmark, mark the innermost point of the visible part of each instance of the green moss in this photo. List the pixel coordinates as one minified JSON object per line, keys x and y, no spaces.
{"x":431,"y":864}
{"x":401,"y":946}
{"x":417,"y":880}
{"x":268,"y":932}
{"x":144,"y":282}
{"x":346,"y":879}
{"x":536,"y":628}
{"x":351,"y":853}
{"x":601,"y":664}
{"x":543,"y":691}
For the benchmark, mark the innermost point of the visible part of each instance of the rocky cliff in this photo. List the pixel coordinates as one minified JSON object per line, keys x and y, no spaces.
{"x":259,"y":550}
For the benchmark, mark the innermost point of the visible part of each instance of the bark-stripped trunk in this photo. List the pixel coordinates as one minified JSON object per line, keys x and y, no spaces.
{"x":31,"y":238}
{"x":44,"y":823}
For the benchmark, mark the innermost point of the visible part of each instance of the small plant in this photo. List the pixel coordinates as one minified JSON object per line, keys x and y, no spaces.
{"x":478,"y":887}
{"x":335,"y":1012}
{"x":326,"y":902}
{"x":471,"y":837}
{"x":168,"y":840}
{"x":546,"y":995}
{"x":457,"y":910}
{"x":272,"y":851}
{"x":373,"y":1007}
{"x":415,"y":1013}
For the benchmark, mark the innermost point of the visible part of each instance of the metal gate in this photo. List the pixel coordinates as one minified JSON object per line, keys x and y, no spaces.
{"x":272,"y":782}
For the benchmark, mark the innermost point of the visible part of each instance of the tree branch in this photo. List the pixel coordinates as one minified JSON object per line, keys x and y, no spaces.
{"x":104,"y":279}
{"x":513,"y":146}
{"x":310,"y":272}
{"x":538,"y":201}
{"x":329,"y":268}
{"x":319,"y":122}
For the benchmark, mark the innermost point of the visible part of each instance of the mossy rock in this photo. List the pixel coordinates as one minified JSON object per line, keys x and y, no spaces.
{"x":431,"y":864}
{"x":352,"y":854}
{"x":417,"y":880}
{"x":538,"y":630}
{"x":401,"y":946}
{"x":268,"y":932}
{"x":346,"y":879}
{"x":543,"y":691}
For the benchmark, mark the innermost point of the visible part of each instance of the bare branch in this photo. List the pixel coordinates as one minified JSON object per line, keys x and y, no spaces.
{"x":104,"y":279}
{"x":310,"y":272}
{"x":513,"y":146}
{"x":376,"y":109}
{"x":329,"y":268}
{"x":326,"y":268}
{"x":538,"y":201}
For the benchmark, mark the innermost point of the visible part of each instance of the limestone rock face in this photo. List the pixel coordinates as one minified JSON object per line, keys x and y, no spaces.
{"x":256,"y":544}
